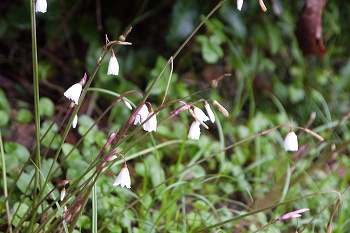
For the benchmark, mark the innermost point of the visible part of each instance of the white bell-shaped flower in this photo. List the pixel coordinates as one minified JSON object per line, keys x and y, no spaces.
{"x":200,"y":115}
{"x":142,"y":115}
{"x":239,"y":4}
{"x":123,"y":178}
{"x":113,"y":66}
{"x":41,"y":6}
{"x":294,"y":214}
{"x":194,"y":131}
{"x":291,"y":142}
{"x":73,"y":93}
{"x":151,"y":124}
{"x":75,"y":121}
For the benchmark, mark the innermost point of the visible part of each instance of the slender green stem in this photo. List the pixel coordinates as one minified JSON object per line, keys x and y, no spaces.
{"x":94,"y":209}
{"x":37,"y":180}
{"x":4,"y":178}
{"x":169,"y":80}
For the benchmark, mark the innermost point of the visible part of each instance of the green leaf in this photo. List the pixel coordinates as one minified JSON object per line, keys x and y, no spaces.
{"x":84,"y":222}
{"x":17,"y":150}
{"x":12,"y":165}
{"x":210,"y":53}
{"x":46,"y":141}
{"x":210,"y":48}
{"x":66,"y":148}
{"x":24,"y":116}
{"x":45,"y":167}
{"x":22,"y":209}
{"x":4,"y":109}
{"x":23,"y":182}
{"x":85,"y":122}
{"x":155,"y":171}
{"x":296,"y":94}
{"x":5,"y":117}
{"x":100,"y":138}
{"x":46,"y":107}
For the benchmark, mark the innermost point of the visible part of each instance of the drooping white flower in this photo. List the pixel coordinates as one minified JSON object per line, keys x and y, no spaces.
{"x":73,"y":93}
{"x":123,"y":178}
{"x":239,"y":4}
{"x":41,"y":6}
{"x":63,"y":193}
{"x":75,"y":121}
{"x":291,"y":142}
{"x":294,"y":214}
{"x":210,"y":112}
{"x":113,"y":66}
{"x":141,"y":115}
{"x":151,"y":124}
{"x":194,"y":131}
{"x":200,"y":115}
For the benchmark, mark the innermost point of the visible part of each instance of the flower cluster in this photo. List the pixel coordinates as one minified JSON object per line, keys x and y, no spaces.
{"x":199,"y":116}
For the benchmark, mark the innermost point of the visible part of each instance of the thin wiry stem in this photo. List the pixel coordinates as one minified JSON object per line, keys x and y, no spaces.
{"x":3,"y":162}
{"x":37,"y":181}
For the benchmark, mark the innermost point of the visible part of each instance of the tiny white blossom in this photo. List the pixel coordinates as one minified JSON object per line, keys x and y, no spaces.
{"x":200,"y":114}
{"x":151,"y":124}
{"x":113,"y":66}
{"x":294,"y":214}
{"x":127,"y":104}
{"x":41,"y":6}
{"x":142,"y":115}
{"x":123,"y":178}
{"x":63,"y":193}
{"x":221,"y":108}
{"x":73,"y":93}
{"x":75,"y":121}
{"x":194,"y":131}
{"x":210,"y":112}
{"x":291,"y":142}
{"x":239,"y":4}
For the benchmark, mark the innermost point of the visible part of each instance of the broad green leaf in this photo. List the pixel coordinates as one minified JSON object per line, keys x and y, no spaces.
{"x":24,"y":116}
{"x":66,"y":148}
{"x":23,"y":182}
{"x":4,"y":109}
{"x":46,"y":107}
{"x":22,"y":209}
{"x":5,"y":117}
{"x":17,"y":150}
